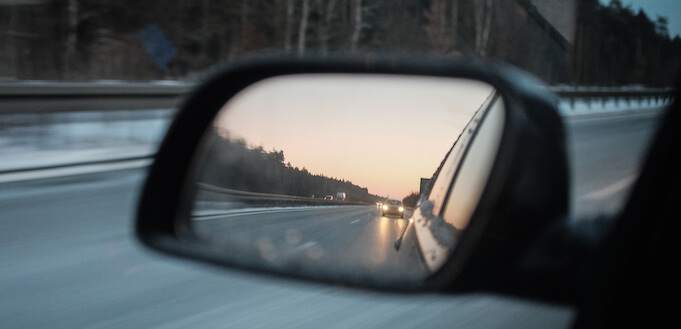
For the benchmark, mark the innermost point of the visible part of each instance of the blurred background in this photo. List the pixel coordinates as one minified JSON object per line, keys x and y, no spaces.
{"x":578,"y":42}
{"x":88,"y":88}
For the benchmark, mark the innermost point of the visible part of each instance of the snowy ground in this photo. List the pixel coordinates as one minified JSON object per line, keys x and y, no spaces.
{"x":34,"y":140}
{"x":598,"y":107}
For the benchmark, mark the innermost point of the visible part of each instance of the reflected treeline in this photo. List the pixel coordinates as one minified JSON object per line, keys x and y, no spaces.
{"x":231,"y":164}
{"x":411,"y":200}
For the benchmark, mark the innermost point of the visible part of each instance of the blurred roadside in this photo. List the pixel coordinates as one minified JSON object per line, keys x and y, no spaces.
{"x":581,"y":108}
{"x":31,"y":141}
{"x":45,"y":140}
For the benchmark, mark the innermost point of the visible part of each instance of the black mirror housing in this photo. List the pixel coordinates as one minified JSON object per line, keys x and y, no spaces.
{"x":527,"y":190}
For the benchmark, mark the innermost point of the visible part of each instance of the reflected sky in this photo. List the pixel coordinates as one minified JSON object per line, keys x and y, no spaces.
{"x":377,"y":131}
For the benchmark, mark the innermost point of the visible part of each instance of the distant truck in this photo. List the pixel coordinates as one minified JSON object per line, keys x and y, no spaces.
{"x":340,"y":196}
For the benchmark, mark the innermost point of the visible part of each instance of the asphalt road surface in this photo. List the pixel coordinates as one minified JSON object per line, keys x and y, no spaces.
{"x":69,"y":260}
{"x":607,"y":154}
{"x":336,"y":242}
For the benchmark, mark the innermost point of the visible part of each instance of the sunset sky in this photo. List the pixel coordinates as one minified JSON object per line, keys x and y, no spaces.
{"x":377,"y":131}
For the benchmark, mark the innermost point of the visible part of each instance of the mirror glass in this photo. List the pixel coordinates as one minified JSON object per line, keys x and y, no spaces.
{"x":345,"y":177}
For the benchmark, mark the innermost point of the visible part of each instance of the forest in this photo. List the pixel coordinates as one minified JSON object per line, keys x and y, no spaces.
{"x":618,"y":46}
{"x":613,"y":45}
{"x":232,"y":164}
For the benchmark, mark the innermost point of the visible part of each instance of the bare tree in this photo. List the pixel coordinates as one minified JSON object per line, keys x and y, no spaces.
{"x":302,"y":28}
{"x":440,"y":36}
{"x":454,"y":21}
{"x":72,"y":35}
{"x":288,"y":29}
{"x":356,"y":24}
{"x":483,"y":20}
{"x":325,"y":26}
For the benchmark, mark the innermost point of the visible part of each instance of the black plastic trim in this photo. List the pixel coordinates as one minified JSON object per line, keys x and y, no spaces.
{"x":532,"y":129}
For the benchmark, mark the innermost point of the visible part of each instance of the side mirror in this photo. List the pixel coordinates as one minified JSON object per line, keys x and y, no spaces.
{"x":384,"y":174}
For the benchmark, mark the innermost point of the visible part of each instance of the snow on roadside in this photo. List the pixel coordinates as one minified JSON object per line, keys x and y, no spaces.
{"x":611,"y":106}
{"x":39,"y":140}
{"x":34,"y":140}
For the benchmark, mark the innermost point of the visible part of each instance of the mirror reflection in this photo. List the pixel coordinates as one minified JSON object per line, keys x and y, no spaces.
{"x":365,"y":178}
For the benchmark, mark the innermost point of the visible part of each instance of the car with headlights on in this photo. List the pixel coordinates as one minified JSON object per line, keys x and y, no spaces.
{"x":393,"y":207}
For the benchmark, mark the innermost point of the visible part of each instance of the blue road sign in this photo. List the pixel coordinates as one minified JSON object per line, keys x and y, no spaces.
{"x":157,"y":45}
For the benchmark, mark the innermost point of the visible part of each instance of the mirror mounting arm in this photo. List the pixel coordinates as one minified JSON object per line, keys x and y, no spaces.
{"x":559,"y":261}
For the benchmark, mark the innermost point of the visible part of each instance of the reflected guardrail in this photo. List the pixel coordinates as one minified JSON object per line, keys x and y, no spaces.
{"x":211,"y":193}
{"x":245,"y":195}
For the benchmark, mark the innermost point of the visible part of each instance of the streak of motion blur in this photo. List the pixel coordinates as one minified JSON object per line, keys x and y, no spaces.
{"x":67,"y":255}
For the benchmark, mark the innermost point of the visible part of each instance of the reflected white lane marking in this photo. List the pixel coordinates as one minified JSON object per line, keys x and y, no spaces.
{"x":253,"y":211}
{"x":354,"y":221}
{"x":207,"y":215}
{"x":611,"y":190}
{"x":307,"y":245}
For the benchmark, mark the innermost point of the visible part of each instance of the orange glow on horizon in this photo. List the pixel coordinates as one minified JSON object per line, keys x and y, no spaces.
{"x":377,"y":131}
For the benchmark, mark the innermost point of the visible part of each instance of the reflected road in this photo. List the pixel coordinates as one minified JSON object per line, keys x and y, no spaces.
{"x":346,"y":241}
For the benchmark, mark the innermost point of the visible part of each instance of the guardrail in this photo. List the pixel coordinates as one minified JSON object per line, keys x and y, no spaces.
{"x":51,"y":97}
{"x":41,"y":97}
{"x":601,"y":95}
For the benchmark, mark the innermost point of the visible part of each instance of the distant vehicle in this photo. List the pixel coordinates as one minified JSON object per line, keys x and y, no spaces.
{"x":328,"y":197}
{"x":340,"y":196}
{"x":393,"y":207}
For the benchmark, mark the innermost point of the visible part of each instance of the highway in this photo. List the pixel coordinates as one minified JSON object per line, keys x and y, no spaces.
{"x":606,"y":154}
{"x":337,"y":241}
{"x":69,"y":260}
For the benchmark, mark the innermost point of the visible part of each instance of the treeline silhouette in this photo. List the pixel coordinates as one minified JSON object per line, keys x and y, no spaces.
{"x":616,"y":45}
{"x":87,"y":39}
{"x":232,"y":164}
{"x":411,"y":200}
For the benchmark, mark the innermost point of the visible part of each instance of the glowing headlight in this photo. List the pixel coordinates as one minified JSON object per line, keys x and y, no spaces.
{"x":401,"y":209}
{"x":385,"y":207}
